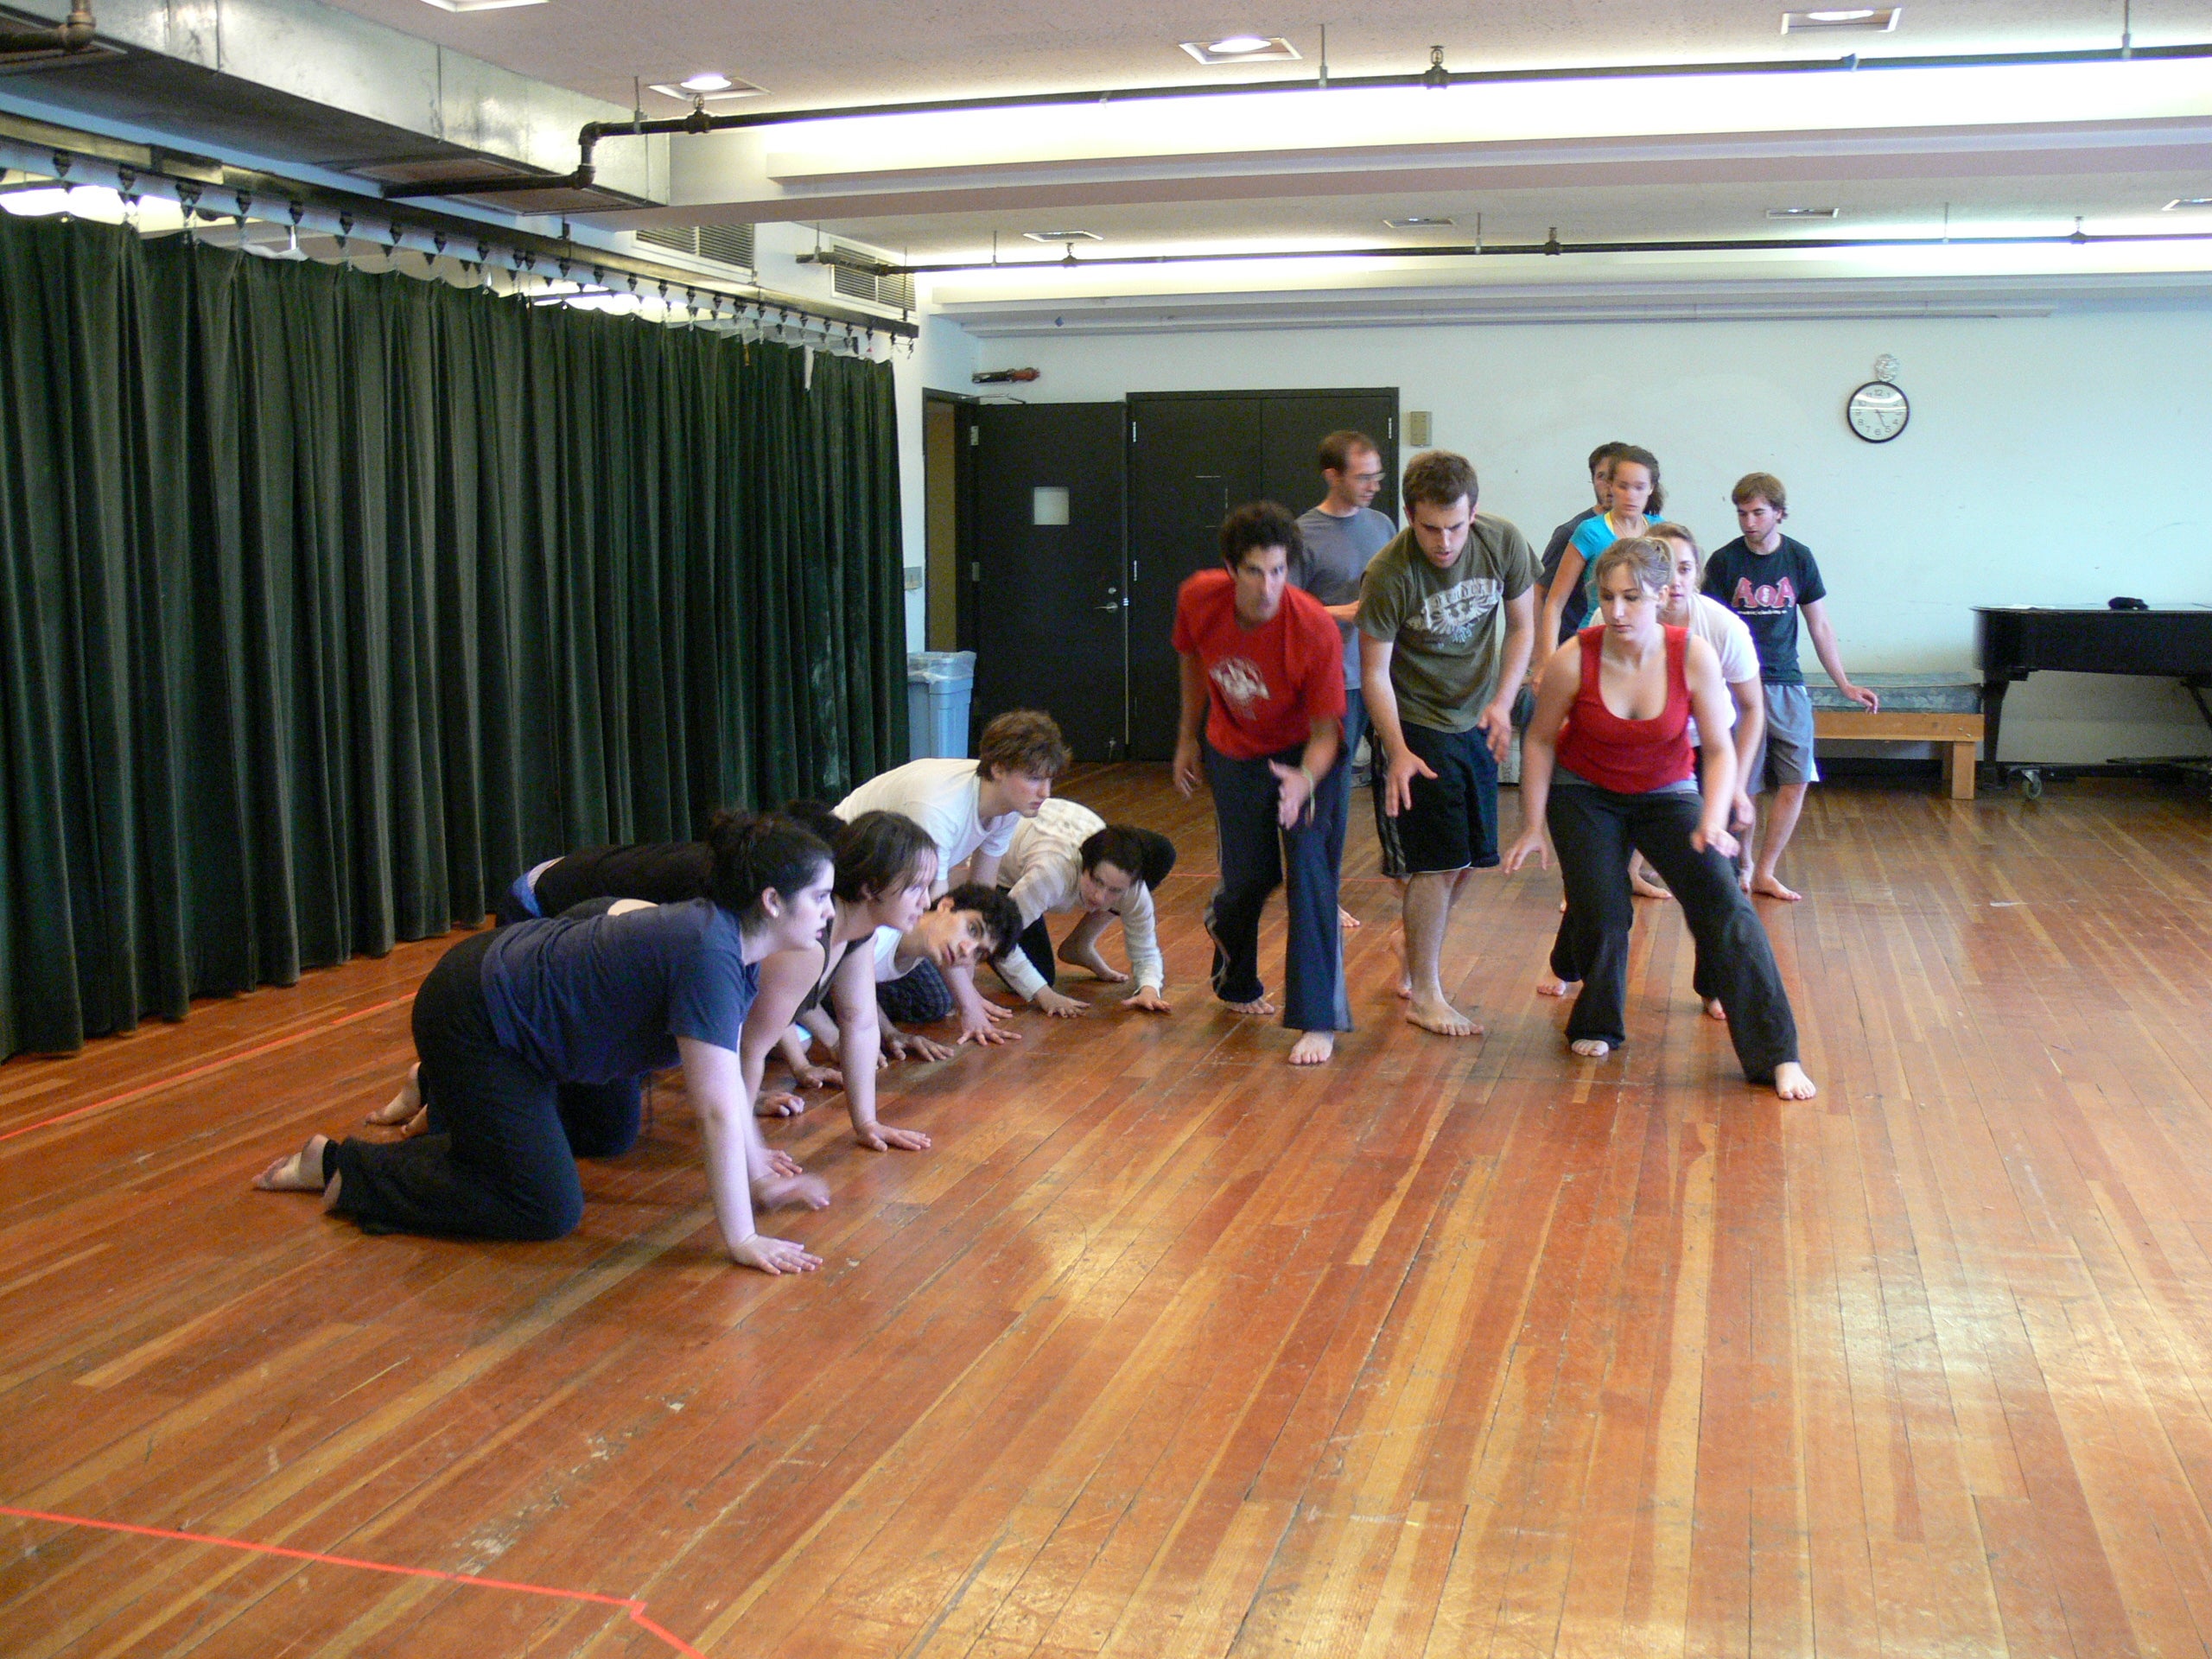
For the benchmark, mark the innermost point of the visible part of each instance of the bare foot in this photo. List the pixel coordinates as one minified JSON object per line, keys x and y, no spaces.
{"x":1644,"y":888}
{"x":1713,"y":1010}
{"x":1767,"y":887}
{"x":1590,"y":1048}
{"x":1443,"y":1019}
{"x":403,"y":1106}
{"x":302,"y":1170}
{"x":1791,"y":1083}
{"x":1313,"y":1047}
{"x":1094,"y":964}
{"x":1346,"y":919}
{"x":1551,"y":985}
{"x":1262,"y":1007}
{"x":772,"y":1191}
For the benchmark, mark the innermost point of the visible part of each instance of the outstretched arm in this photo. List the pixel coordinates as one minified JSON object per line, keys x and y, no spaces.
{"x":1709,"y":702}
{"x":1497,"y":721}
{"x":1400,"y":763}
{"x":1190,"y":721}
{"x":1571,"y":563}
{"x":1824,"y":647}
{"x":1556,"y":693}
{"x":715,"y":1079}
{"x":852,"y":994}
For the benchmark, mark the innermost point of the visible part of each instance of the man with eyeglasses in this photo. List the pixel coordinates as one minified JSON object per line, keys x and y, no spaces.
{"x":1341,"y":535}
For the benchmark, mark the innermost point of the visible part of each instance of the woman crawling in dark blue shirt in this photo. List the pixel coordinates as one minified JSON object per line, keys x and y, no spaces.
{"x":533,"y":1041}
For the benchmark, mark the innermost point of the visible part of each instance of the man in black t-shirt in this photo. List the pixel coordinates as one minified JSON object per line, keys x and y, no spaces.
{"x":1767,"y":578}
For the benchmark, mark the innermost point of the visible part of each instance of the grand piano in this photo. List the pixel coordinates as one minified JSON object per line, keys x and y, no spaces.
{"x":2017,"y":639}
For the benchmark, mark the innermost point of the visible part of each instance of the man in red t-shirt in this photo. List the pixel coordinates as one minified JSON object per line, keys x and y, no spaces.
{"x":1263,"y":668}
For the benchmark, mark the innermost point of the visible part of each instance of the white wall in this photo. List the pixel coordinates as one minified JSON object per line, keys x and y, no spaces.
{"x":942,"y":359}
{"x":2051,"y":461}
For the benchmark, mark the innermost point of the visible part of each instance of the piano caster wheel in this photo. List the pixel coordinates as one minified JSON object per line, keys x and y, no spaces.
{"x":2031,"y":783}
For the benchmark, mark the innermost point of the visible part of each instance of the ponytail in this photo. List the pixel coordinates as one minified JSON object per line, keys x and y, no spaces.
{"x":753,"y":856}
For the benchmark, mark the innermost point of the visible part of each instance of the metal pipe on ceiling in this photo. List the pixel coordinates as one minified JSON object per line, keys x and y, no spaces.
{"x":217,"y":191}
{"x":1552,"y":246}
{"x":698,"y":121}
{"x":73,"y":36}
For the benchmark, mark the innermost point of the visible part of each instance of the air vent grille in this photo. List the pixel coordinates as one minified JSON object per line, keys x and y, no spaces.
{"x":725,"y":244}
{"x":729,"y":244}
{"x":897,"y":291}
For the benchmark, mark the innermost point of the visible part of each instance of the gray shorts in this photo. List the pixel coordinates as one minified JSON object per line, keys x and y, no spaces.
{"x":1787,"y":748}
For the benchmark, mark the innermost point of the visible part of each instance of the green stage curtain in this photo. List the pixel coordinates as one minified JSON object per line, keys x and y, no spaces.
{"x":330,"y":601}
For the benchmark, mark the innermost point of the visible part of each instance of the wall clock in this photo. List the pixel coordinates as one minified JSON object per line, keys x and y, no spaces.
{"x":1878,"y":411}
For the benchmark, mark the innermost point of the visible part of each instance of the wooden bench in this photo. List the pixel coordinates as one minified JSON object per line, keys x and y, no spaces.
{"x":1960,"y":734}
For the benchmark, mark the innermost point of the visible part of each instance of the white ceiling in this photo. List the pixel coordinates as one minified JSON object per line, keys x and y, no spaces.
{"x":832,"y":52}
{"x":1691,"y":159}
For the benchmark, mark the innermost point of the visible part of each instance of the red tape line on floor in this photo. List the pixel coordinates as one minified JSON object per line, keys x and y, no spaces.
{"x":629,"y":1604}
{"x":145,"y":1089}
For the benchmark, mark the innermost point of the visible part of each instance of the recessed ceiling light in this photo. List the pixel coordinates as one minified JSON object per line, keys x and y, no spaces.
{"x":1241,"y":48}
{"x":2179,"y":202}
{"x":711,"y":84}
{"x":479,"y":5}
{"x":1419,"y":222}
{"x":1801,"y":213}
{"x":1064,"y":236}
{"x":1878,"y":20}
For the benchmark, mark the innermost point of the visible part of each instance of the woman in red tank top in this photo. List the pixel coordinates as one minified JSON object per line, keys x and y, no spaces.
{"x":1608,"y":765}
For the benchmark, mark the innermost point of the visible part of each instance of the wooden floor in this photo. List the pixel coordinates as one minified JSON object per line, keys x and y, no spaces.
{"x":1164,"y":1349}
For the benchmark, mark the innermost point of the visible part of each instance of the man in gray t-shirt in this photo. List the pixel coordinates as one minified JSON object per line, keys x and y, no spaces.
{"x":1447,"y":615}
{"x":1339,"y":537}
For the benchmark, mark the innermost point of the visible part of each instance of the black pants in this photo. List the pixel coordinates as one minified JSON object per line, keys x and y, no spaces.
{"x":917,"y":997}
{"x":1158,"y":864}
{"x":1593,"y":829}
{"x":1256,"y":853}
{"x":499,"y":1160}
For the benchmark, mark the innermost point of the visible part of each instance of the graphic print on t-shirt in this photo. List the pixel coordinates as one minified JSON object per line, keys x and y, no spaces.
{"x":1455,"y":613}
{"x":1767,"y":597}
{"x":1241,"y":684}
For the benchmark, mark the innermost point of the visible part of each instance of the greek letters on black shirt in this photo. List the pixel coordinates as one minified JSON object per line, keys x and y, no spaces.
{"x":1765,"y":589}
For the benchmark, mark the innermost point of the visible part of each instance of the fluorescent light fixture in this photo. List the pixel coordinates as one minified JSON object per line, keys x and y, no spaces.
{"x":1241,"y":48}
{"x":1063,"y":236}
{"x":1801,"y":213}
{"x":1420,"y":222}
{"x":2180,"y":202}
{"x":709,"y":84}
{"x":479,"y":5}
{"x":1877,"y":20}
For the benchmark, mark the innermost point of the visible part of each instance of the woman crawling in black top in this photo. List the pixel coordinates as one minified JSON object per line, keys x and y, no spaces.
{"x":533,"y":1040}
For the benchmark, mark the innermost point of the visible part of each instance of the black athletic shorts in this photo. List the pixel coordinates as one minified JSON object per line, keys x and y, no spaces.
{"x":1453,"y":822}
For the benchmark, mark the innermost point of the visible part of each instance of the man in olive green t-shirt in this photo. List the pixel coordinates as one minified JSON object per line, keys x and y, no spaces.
{"x":1447,"y":616}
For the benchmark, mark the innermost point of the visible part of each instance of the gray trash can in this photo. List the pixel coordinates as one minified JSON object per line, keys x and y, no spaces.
{"x":939,"y":686}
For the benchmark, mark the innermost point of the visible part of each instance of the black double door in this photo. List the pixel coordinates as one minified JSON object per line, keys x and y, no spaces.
{"x":1078,"y":617}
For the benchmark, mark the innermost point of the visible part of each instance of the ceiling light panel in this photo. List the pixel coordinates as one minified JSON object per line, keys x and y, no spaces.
{"x":2180,"y":204}
{"x":1242,"y":48}
{"x":1057,"y":236}
{"x":1868,"y":20}
{"x":479,"y":5}
{"x":1420,"y":222}
{"x":1801,"y":213}
{"x":721,"y":87}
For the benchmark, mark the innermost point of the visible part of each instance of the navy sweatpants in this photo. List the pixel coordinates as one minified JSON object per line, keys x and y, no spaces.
{"x":1257,"y":856}
{"x":499,"y":1160}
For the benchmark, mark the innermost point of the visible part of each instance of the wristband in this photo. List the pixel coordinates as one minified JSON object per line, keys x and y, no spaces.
{"x":1306,"y":773}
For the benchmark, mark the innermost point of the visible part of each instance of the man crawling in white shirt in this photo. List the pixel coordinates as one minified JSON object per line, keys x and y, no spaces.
{"x":1068,"y":859}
